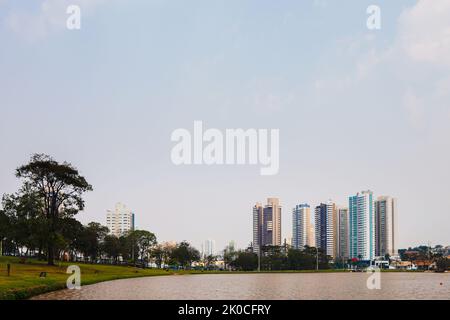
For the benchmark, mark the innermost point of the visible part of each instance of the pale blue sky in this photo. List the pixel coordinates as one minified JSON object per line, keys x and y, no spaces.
{"x":356,"y":109}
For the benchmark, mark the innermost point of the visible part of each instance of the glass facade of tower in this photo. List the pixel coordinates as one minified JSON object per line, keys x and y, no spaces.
{"x":267,"y":224}
{"x":343,"y":233}
{"x":326,"y":228}
{"x":301,"y":228}
{"x":257,"y":227}
{"x":362,"y":226}
{"x":321,"y":226}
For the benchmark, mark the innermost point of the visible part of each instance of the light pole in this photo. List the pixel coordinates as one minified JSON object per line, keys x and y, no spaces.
{"x":317,"y":259}
{"x":259,"y":258}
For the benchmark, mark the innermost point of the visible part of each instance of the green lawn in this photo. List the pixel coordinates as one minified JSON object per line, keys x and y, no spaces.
{"x":24,"y":280}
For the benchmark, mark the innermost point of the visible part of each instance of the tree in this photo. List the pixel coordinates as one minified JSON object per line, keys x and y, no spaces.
{"x":229,"y":255}
{"x":157,"y":254}
{"x":71,"y":234}
{"x":301,"y":260}
{"x":91,"y":239}
{"x":273,"y":258}
{"x":184,"y":254}
{"x":162,"y":254}
{"x":144,"y":240}
{"x":4,"y":229}
{"x":246,"y":261}
{"x":25,"y":221}
{"x":111,"y":247}
{"x":167,"y":257}
{"x":125,"y":247}
{"x":208,"y":260}
{"x":60,"y":188}
{"x":442,"y":264}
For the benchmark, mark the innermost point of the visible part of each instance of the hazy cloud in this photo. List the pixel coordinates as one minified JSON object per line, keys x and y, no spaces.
{"x":425,"y":32}
{"x":414,"y":108}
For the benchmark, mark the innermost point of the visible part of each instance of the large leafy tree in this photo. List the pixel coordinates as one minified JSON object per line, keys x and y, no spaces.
{"x":126,"y":247}
{"x":229,"y":255}
{"x":184,"y":254}
{"x":91,"y":240}
{"x":246,"y":261}
{"x":4,"y":229}
{"x":157,"y":254}
{"x":25,"y":222}
{"x":71,"y":234}
{"x":144,"y":241}
{"x":301,"y":259}
{"x":60,"y":188}
{"x":111,"y":247}
{"x":273,"y":258}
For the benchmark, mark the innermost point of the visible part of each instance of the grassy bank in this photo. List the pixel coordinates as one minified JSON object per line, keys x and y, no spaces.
{"x":24,"y":280}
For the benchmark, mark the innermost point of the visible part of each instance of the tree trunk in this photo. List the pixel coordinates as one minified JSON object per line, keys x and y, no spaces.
{"x":40,"y":251}
{"x":50,"y":254}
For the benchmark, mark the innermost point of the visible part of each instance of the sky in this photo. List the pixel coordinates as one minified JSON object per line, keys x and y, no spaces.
{"x":356,"y":109}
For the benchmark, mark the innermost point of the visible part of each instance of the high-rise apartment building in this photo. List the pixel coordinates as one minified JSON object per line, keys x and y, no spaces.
{"x":272,"y":223}
{"x":362,"y":225}
{"x":312,"y":235}
{"x":326,"y":228}
{"x":320,"y":219}
{"x":343,"y":233}
{"x":257,"y":226}
{"x":208,"y":248}
{"x":120,"y":220}
{"x":302,"y":234}
{"x":267,"y":224}
{"x":385,"y":226}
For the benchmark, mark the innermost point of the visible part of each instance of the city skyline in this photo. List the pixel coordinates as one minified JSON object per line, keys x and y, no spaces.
{"x":356,"y":109}
{"x":366,"y":229}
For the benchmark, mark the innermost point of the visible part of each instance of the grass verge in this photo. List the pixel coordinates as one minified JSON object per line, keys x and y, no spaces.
{"x":25,"y":281}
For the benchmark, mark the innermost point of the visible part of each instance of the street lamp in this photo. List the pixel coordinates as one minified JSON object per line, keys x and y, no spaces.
{"x":317,"y":259}
{"x":259,"y":258}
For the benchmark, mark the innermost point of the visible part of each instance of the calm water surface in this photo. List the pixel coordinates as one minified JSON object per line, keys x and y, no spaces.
{"x":265,"y":287}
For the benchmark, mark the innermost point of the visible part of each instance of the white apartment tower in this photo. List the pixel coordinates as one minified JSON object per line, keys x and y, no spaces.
{"x":302,"y":230}
{"x":208,"y":248}
{"x":362,"y":226}
{"x":120,"y":220}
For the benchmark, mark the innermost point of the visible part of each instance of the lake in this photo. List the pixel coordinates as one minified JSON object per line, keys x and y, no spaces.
{"x":266,"y":286}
